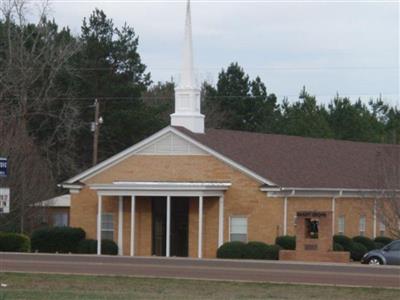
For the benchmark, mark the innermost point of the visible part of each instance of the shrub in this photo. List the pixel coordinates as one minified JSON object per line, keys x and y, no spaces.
{"x":344,"y":241}
{"x":231,"y":250}
{"x":367,"y":242}
{"x":383,"y":239}
{"x":357,"y":252}
{"x":108,"y":247}
{"x":14,"y":242}
{"x":87,"y":247}
{"x":379,"y":245}
{"x":255,"y":250}
{"x":286,"y":242}
{"x":273,"y":252}
{"x":337,"y":247}
{"x":57,"y":239}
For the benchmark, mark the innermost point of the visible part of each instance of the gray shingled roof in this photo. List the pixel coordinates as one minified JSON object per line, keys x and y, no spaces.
{"x":291,"y":161}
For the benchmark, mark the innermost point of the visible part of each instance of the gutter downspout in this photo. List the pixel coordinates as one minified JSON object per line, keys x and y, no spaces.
{"x":285,"y":216}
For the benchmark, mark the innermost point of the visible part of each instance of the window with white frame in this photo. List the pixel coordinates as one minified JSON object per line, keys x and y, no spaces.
{"x":107,"y":226}
{"x":60,"y":219}
{"x":362,"y":226}
{"x":238,"y":229}
{"x":341,"y":225}
{"x":382,"y":228}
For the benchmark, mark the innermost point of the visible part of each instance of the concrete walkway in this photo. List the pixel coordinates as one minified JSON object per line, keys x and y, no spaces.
{"x":207,"y":269}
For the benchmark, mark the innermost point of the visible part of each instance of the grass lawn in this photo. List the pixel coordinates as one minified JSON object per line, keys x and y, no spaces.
{"x":60,"y":287}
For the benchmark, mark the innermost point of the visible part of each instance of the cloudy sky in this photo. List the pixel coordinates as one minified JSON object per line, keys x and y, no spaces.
{"x":350,"y":47}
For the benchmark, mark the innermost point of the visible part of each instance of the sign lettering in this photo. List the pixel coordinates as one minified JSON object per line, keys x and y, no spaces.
{"x":4,"y":200}
{"x":3,"y":167}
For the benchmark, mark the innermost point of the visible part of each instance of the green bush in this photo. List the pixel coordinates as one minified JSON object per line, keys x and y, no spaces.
{"x":286,"y":242}
{"x":87,"y":247}
{"x":14,"y":242}
{"x":231,"y":250}
{"x":272,"y":252}
{"x":90,"y":247}
{"x":367,"y":242}
{"x":379,"y":245}
{"x":109,"y":247}
{"x":337,"y":247}
{"x":357,"y":252}
{"x":57,"y":239}
{"x":255,"y":250}
{"x":383,"y":239}
{"x":344,"y":241}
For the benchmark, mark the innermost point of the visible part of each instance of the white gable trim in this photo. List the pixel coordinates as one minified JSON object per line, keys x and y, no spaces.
{"x":171,"y":144}
{"x":146,"y":142}
{"x":116,"y":158}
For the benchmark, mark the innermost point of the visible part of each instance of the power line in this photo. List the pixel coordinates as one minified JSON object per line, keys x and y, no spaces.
{"x":272,"y":68}
{"x":111,"y":98}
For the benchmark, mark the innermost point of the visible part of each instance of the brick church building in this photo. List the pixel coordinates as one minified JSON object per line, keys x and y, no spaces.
{"x":186,"y":190}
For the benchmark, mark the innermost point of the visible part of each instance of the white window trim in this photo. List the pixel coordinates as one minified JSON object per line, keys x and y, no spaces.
{"x":107,"y":230}
{"x":62,"y":215}
{"x":247,"y":225}
{"x":362,"y":230}
{"x":382,"y":228}
{"x":341,"y":232}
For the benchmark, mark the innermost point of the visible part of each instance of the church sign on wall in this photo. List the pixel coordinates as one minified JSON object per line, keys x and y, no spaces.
{"x":3,"y":167}
{"x":4,"y":200}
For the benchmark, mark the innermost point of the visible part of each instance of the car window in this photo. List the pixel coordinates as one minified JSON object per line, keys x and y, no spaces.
{"x":394,"y":247}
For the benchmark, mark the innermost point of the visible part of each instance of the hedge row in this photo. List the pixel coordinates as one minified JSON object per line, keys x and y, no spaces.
{"x":68,"y":240}
{"x":359,"y":245}
{"x":90,"y":247}
{"x":251,"y":250}
{"x":14,"y":242}
{"x":57,"y":239}
{"x":286,"y":242}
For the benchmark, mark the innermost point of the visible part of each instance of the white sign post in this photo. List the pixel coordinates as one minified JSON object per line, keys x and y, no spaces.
{"x":4,"y":200}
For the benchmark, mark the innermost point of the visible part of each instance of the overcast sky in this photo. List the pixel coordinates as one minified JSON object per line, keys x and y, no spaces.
{"x":329,"y":46}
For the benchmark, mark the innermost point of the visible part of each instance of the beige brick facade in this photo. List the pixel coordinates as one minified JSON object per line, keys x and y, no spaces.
{"x":244,"y":198}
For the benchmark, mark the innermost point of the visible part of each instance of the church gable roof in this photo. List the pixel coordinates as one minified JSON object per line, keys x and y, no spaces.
{"x":275,"y":160}
{"x":298,"y":162}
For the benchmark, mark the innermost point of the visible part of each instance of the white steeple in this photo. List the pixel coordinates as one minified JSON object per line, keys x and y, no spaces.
{"x":187,"y":94}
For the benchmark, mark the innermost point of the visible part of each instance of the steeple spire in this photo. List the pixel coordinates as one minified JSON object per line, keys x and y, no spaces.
{"x":187,"y":79}
{"x":187,"y":95}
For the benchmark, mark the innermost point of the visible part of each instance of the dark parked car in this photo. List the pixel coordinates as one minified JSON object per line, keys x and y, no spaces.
{"x":388,"y":255}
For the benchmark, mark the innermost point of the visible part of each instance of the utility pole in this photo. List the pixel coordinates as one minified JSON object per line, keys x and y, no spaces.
{"x":96,"y":130}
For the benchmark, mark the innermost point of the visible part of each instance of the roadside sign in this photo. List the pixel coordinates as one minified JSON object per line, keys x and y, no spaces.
{"x":4,"y":200}
{"x":3,"y":166}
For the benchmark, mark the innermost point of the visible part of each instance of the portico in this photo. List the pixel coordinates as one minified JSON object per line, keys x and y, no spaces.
{"x":164,"y":191}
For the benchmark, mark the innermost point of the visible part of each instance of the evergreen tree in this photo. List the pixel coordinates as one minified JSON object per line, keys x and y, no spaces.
{"x":305,"y":118}
{"x":243,"y":104}
{"x":355,"y":121}
{"x":113,"y":73}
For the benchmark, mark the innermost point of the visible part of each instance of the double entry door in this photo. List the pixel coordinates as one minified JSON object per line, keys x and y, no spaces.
{"x":179,"y":233}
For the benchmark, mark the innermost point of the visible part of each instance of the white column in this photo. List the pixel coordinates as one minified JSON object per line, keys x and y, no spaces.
{"x":333,"y":215}
{"x":221,"y":222}
{"x":168,"y":233}
{"x":99,"y":224}
{"x":133,"y":209}
{"x":285,"y":216}
{"x":374,"y":221}
{"x":120,"y":224}
{"x":200,"y":242}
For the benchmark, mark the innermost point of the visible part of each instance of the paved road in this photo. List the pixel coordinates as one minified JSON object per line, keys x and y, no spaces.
{"x":264,"y":271}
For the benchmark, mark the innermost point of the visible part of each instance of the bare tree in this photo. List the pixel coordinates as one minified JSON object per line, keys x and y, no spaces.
{"x":34,"y":87}
{"x":29,"y":178}
{"x":388,"y":202}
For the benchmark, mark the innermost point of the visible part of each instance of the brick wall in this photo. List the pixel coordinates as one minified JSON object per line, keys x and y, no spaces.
{"x":244,"y":198}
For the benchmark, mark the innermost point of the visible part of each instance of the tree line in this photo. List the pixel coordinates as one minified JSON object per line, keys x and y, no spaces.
{"x":50,"y":78}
